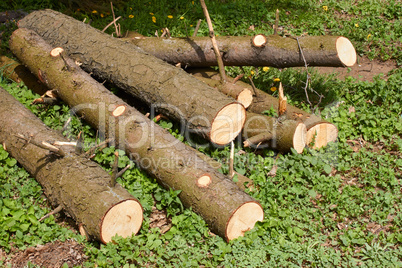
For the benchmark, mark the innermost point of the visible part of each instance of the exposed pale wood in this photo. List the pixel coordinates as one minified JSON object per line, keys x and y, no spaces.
{"x":119,"y":111}
{"x":259,"y":40}
{"x":282,"y":100}
{"x":299,"y":138}
{"x":346,"y":51}
{"x":228,"y":123}
{"x":244,"y":219}
{"x":123,"y":219}
{"x":56,"y":51}
{"x":320,"y":134}
{"x":204,"y":181}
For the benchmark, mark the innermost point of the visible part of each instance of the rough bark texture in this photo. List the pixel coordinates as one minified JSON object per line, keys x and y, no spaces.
{"x":77,"y":184}
{"x":19,"y":73}
{"x":278,"y":52}
{"x":319,"y":131}
{"x":283,"y":134}
{"x":168,"y":89}
{"x":171,"y":162}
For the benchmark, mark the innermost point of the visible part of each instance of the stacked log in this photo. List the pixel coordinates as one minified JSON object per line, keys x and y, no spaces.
{"x":259,"y":50}
{"x":167,"y":89}
{"x":319,"y":132}
{"x":156,"y":151}
{"x":71,"y":181}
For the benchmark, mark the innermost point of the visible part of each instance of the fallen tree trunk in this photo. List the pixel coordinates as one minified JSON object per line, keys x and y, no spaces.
{"x":80,"y":186}
{"x":167,"y":89}
{"x":259,"y":50}
{"x":319,"y":131}
{"x":171,"y":162}
{"x":19,"y":73}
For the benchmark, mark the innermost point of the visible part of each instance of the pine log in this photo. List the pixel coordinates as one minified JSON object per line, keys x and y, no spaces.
{"x":259,"y":50}
{"x":319,"y":132}
{"x":18,"y":73}
{"x":153,"y":148}
{"x":263,"y":131}
{"x":103,"y":211}
{"x":167,"y":89}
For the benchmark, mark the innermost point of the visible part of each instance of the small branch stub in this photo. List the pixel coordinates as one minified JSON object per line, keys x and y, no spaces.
{"x":56,"y":51}
{"x":204,"y":181}
{"x":119,"y":110}
{"x":259,"y":40}
{"x":282,"y":101}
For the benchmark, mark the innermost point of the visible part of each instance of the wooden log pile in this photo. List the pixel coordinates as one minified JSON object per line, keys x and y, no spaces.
{"x":55,"y":47}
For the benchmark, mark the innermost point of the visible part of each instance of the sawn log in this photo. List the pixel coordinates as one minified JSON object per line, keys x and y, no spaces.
{"x":319,"y":131}
{"x":79,"y":185}
{"x":228,"y":211}
{"x":167,"y":89}
{"x":259,"y":50}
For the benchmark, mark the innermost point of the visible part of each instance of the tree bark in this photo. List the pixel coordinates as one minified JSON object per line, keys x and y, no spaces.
{"x":168,"y":89}
{"x":277,"y":133}
{"x":19,"y":73}
{"x":276,"y":51}
{"x":154,"y":150}
{"x":319,"y":131}
{"x":77,"y":184}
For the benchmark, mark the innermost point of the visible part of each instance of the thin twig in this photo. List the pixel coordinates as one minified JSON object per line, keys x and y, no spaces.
{"x":93,"y":149}
{"x":43,"y":145}
{"x":308,"y":80}
{"x":308,"y":74}
{"x":231,"y":161}
{"x":253,"y":86}
{"x":276,"y":22}
{"x":214,"y":44}
{"x":114,"y":21}
{"x":197,"y":27}
{"x":121,"y":172}
{"x":55,"y":211}
{"x":114,"y":169}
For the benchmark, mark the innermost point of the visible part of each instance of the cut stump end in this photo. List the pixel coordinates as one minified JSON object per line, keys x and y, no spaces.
{"x":300,"y":137}
{"x":56,"y":51}
{"x":321,"y":134}
{"x":204,"y":181}
{"x":228,"y":123}
{"x":346,"y":51}
{"x":243,"y":220}
{"x":123,"y":219}
{"x":259,"y":40}
{"x":245,"y":97}
{"x":119,"y":111}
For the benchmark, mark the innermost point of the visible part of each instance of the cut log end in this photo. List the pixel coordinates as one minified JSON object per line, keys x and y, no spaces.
{"x":243,"y":220}
{"x":300,"y":137}
{"x":321,"y":134}
{"x":119,"y":110}
{"x":259,"y":40}
{"x":56,"y":51}
{"x":204,"y":181}
{"x":228,"y":123}
{"x":123,"y":219}
{"x":346,"y":51}
{"x":245,"y":97}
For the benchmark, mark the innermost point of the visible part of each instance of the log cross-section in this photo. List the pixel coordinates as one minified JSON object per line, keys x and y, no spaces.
{"x":175,"y":165}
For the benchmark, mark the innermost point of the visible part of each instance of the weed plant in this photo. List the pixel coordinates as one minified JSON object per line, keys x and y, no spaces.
{"x":334,"y":207}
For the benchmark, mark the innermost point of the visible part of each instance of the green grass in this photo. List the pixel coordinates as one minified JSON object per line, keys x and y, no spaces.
{"x":336,"y":207}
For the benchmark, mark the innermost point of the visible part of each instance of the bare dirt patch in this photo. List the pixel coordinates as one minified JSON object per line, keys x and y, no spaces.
{"x":51,"y":255}
{"x":363,"y":70}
